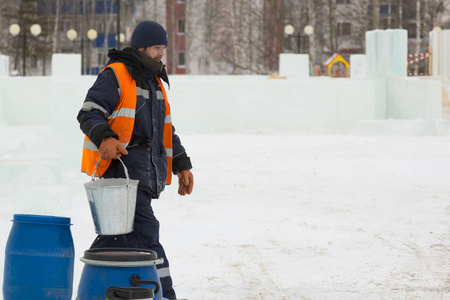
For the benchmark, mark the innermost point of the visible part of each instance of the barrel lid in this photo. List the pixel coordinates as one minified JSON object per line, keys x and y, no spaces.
{"x":41,"y":219}
{"x":120,"y":254}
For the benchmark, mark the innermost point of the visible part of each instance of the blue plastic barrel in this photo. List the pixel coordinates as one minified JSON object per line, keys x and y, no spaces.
{"x":39,"y":259}
{"x":118,"y":267}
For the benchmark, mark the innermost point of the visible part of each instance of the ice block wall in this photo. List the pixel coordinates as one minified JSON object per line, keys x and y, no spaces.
{"x":4,"y":65}
{"x":49,"y":101}
{"x":399,"y":38}
{"x":4,"y":72}
{"x":64,"y":65}
{"x":386,"y":56}
{"x":386,"y":53}
{"x":294,"y":65}
{"x":358,"y":66}
{"x":247,"y":103}
{"x":396,"y":95}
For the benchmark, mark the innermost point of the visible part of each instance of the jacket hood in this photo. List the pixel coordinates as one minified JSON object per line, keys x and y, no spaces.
{"x":130,"y":58}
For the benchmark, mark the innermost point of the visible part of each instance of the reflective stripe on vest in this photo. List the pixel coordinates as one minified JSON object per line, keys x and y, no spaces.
{"x":122,"y":122}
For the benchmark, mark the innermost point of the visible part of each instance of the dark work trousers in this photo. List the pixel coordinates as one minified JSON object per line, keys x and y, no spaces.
{"x":144,"y":236}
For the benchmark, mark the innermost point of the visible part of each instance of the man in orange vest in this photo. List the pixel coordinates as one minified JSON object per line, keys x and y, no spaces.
{"x":126,"y":114}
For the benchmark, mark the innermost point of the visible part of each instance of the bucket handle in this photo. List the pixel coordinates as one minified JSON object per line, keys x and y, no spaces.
{"x":124,"y":167}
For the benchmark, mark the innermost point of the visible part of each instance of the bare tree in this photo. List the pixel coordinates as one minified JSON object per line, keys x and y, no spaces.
{"x":332,"y":25}
{"x":247,"y":49}
{"x":225,"y":39}
{"x":312,"y":12}
{"x":434,"y":11}
{"x":231,"y":36}
{"x":171,"y":36}
{"x":400,"y":14}
{"x":10,"y":45}
{"x":109,"y":25}
{"x":200,"y":34}
{"x":55,"y":28}
{"x":418,"y":25}
{"x":357,"y":12}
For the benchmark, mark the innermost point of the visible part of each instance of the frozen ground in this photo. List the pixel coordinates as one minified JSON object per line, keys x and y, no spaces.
{"x":276,"y":215}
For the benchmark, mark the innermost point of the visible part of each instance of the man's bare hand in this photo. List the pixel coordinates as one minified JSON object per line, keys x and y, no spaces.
{"x":185,"y":182}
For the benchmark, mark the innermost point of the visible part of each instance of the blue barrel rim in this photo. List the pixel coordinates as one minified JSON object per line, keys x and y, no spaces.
{"x":117,"y":254}
{"x":41,"y":219}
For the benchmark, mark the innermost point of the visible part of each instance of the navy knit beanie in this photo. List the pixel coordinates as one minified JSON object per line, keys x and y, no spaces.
{"x":147,"y":34}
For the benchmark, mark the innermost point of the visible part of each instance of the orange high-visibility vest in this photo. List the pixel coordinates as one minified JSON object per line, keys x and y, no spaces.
{"x":122,"y":123}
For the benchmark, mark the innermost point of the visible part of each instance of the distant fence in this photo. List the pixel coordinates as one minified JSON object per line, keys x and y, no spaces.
{"x":415,"y":58}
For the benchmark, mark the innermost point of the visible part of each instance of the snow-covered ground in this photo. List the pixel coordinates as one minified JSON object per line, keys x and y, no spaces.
{"x":274,"y":215}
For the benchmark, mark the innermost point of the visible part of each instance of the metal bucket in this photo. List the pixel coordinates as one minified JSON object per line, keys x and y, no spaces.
{"x":113,"y":203}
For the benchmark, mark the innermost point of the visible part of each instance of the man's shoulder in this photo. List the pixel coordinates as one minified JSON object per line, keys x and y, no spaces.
{"x":110,"y":73}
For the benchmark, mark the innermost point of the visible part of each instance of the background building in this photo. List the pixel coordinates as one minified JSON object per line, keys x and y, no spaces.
{"x":176,"y":29}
